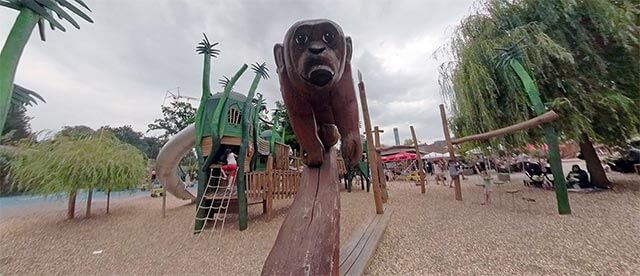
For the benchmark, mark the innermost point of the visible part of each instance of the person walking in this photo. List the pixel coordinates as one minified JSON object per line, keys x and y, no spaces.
{"x":453,"y":172}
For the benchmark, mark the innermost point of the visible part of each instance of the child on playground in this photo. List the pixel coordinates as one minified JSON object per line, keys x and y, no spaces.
{"x":231,"y":165}
{"x":487,"y":183}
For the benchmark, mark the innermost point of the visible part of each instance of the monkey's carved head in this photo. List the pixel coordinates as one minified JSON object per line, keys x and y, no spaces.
{"x":314,"y":54}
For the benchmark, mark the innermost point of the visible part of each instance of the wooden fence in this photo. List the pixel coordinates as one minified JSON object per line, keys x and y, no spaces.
{"x":266,"y":186}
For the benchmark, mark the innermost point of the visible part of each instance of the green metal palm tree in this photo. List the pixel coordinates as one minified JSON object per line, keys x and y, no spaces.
{"x":262,"y":72}
{"x":206,"y":49}
{"x":224,"y":81}
{"x":32,"y":12}
{"x":24,"y":97}
{"x":509,"y":57}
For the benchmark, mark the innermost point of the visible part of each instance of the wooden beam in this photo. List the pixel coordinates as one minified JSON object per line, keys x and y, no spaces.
{"x":419,"y":161}
{"x":308,"y":242}
{"x":452,"y":155}
{"x":359,"y":250}
{"x":376,"y":132}
{"x":381,"y":176}
{"x":372,"y":154}
{"x":547,"y":117}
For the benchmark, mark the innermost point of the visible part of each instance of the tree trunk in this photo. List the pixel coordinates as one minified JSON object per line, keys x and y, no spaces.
{"x":71,"y":207}
{"x":89,"y":195}
{"x":594,"y":166}
{"x":108,"y":199}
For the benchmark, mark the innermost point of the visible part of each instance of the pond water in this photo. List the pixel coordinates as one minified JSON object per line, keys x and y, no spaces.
{"x":28,"y":199}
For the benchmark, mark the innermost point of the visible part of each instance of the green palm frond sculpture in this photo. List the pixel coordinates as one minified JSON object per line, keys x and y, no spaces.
{"x":224,"y":81}
{"x":261,"y":69}
{"x":25,"y":97}
{"x":205,"y":47}
{"x":509,"y":57}
{"x":32,"y":12}
{"x":46,"y":9}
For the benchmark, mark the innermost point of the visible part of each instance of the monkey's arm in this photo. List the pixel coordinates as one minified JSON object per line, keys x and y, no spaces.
{"x":304,"y":126}
{"x":345,"y":111}
{"x":323,"y":113}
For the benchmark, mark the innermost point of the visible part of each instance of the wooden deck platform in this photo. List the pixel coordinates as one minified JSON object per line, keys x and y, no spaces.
{"x":358,"y":251}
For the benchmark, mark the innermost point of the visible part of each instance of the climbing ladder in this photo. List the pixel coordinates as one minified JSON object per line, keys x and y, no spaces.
{"x":216,"y":192}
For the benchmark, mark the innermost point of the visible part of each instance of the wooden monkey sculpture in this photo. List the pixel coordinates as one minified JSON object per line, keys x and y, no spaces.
{"x":314,"y":66}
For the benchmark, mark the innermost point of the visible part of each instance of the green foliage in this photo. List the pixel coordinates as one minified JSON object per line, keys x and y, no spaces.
{"x":583,"y":56}
{"x":67,"y":164}
{"x":46,"y":10}
{"x":149,"y":145}
{"x":75,"y":132}
{"x":17,"y":125}
{"x":176,"y":117}
{"x":152,"y":146}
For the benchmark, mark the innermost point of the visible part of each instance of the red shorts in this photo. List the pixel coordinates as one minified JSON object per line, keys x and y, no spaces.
{"x":231,"y":168}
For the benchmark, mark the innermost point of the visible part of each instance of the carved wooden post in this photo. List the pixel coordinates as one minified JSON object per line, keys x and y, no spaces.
{"x":317,"y":89}
{"x":270,"y":186}
{"x":376,"y":132}
{"x":373,"y":154}
{"x":381,"y":175}
{"x":308,"y":242}
{"x":452,"y":154}
{"x":419,"y":160}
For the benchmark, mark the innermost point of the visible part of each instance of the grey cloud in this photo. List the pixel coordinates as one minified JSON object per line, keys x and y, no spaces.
{"x":116,"y":71}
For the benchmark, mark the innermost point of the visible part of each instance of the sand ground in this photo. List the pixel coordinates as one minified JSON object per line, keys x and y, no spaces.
{"x":429,"y":234}
{"x":135,"y":239}
{"x":432,"y":234}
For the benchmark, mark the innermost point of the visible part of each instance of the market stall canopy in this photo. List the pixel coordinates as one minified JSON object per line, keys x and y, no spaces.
{"x":399,"y":157}
{"x":435,"y":155}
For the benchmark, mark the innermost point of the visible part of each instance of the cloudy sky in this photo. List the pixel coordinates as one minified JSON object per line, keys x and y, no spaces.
{"x":117,"y":70}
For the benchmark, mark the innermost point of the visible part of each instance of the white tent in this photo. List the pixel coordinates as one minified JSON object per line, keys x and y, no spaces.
{"x":435,"y":155}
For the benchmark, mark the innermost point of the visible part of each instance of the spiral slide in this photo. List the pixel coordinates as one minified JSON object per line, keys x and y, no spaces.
{"x":169,"y":158}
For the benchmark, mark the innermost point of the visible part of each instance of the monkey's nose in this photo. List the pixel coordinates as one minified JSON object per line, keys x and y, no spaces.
{"x":316,"y":50}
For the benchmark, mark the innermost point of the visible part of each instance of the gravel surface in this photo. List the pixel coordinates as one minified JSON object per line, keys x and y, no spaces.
{"x":432,"y":234}
{"x":429,"y":234}
{"x":135,"y":239}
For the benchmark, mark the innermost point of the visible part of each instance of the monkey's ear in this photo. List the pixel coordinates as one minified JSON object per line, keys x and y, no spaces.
{"x":349,"y":49}
{"x":278,"y":53}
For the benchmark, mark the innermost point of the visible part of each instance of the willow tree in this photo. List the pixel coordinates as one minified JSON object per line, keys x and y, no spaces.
{"x":32,"y":12}
{"x":68,"y":164}
{"x":584,"y":57}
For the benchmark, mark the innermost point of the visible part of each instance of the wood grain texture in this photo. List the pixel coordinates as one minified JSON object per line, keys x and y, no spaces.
{"x":547,"y":117}
{"x":308,"y":241}
{"x":358,"y":251}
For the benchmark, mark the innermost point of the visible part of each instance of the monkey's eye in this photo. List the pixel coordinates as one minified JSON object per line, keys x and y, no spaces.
{"x":301,"y":39}
{"x":327,"y":37}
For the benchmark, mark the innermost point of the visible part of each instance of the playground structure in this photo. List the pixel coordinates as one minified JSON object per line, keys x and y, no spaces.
{"x":550,"y":116}
{"x":361,"y":171}
{"x":230,"y":120}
